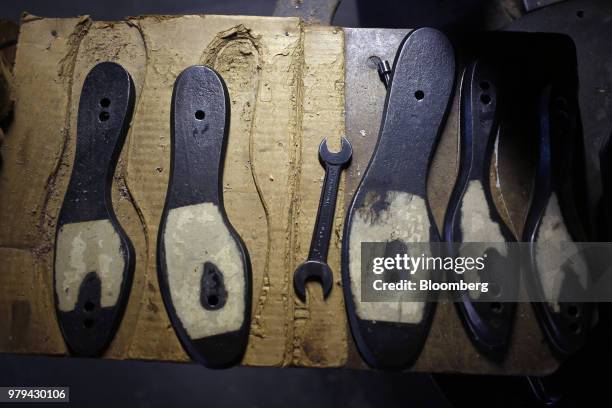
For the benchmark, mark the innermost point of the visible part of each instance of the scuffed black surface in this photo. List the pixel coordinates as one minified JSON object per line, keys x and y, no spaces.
{"x":100,"y":383}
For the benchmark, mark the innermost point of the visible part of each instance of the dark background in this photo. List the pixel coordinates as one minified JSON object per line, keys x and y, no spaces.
{"x":446,"y":14}
{"x":146,"y":384}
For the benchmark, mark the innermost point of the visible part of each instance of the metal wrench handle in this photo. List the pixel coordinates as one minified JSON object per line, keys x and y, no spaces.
{"x":321,"y":235}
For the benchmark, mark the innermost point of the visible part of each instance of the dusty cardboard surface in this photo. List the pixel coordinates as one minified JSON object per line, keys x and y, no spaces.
{"x":286,"y":84}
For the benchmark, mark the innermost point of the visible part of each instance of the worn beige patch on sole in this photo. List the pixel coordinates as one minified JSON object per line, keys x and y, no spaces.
{"x":196,"y":234}
{"x":554,"y":240}
{"x":476,"y":222}
{"x":405,"y":219}
{"x":84,"y":247}
{"x":477,"y":226}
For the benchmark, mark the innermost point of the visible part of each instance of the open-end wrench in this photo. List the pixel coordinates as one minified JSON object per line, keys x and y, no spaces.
{"x":315,"y":267}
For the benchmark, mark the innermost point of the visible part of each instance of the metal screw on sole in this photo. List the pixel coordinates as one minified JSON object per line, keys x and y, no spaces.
{"x":384,"y":71}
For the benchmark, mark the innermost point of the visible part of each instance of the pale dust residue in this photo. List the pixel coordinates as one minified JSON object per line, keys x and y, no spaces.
{"x":194,"y":235}
{"x":405,"y":219}
{"x":83,"y":247}
{"x":477,"y":226}
{"x":554,"y":248}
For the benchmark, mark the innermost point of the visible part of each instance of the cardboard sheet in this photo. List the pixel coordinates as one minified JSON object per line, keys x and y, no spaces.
{"x":287,"y":91}
{"x":285,"y":85}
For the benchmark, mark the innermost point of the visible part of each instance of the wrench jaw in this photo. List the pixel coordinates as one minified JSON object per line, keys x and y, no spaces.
{"x":312,"y":271}
{"x":341,"y":158}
